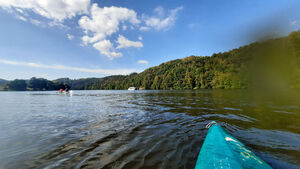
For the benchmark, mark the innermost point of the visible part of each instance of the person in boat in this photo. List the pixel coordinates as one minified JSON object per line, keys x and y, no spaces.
{"x":61,"y":90}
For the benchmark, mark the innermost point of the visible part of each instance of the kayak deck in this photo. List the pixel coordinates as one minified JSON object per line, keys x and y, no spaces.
{"x":221,"y":150}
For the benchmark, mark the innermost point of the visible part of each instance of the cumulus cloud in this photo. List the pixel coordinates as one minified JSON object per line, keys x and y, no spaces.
{"x":142,"y":62}
{"x":125,"y":43}
{"x":57,"y":10}
{"x":160,"y":21}
{"x":102,"y":23}
{"x":70,"y":37}
{"x":62,"y":67}
{"x":105,"y":47}
{"x":98,"y":23}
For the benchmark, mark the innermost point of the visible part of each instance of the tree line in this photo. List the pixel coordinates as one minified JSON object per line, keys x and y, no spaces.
{"x":266,"y":63}
{"x":34,"y":84}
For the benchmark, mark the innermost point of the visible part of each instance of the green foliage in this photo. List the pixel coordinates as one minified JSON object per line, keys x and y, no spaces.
{"x":36,"y":84}
{"x":239,"y":68}
{"x":17,"y":85}
{"x":44,"y":84}
{"x":3,"y":82}
{"x":229,"y":70}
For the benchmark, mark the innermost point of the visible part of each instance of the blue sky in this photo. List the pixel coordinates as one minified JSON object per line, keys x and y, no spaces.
{"x":90,"y":38}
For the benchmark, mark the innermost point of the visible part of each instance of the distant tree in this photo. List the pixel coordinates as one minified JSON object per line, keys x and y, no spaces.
{"x":17,"y":85}
{"x":155,"y":84}
{"x":41,"y":84}
{"x":228,"y":70}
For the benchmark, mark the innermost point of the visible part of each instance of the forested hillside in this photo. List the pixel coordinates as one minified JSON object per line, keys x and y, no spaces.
{"x":267,"y":63}
{"x":34,"y":84}
{"x":3,"y":82}
{"x":274,"y":62}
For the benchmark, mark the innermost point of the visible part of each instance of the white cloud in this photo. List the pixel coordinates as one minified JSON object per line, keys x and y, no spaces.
{"x":57,"y":10}
{"x":105,"y":47}
{"x":102,"y":23}
{"x":125,"y":43}
{"x":36,"y":22}
{"x":160,"y":21}
{"x":19,"y":10}
{"x":140,"y":37}
{"x":70,"y":37}
{"x":99,"y":23}
{"x":159,"y":11}
{"x":142,"y":62}
{"x":105,"y":21}
{"x":144,"y":28}
{"x":62,"y":67}
{"x":21,"y":18}
{"x":57,"y":24}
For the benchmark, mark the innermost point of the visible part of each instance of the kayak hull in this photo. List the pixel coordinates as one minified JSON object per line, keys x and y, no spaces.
{"x":221,"y":150}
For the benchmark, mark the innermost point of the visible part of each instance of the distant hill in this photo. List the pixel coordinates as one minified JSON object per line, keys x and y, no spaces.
{"x":79,"y":84}
{"x":275,"y":62}
{"x":3,"y":82}
{"x":270,"y":64}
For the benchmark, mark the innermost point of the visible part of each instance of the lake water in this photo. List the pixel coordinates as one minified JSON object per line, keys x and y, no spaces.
{"x":140,"y":129}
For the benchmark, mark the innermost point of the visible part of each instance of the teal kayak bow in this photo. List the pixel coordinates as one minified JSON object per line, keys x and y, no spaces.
{"x":221,"y":150}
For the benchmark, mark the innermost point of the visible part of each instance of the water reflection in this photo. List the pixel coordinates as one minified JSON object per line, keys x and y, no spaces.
{"x":140,"y":129}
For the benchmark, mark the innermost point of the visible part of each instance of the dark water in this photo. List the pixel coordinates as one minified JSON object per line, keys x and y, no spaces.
{"x":140,"y":129}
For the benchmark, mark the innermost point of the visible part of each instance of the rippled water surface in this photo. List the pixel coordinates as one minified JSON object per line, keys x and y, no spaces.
{"x":140,"y":129}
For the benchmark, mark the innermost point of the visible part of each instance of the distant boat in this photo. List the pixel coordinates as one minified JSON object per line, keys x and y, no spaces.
{"x":132,"y":88}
